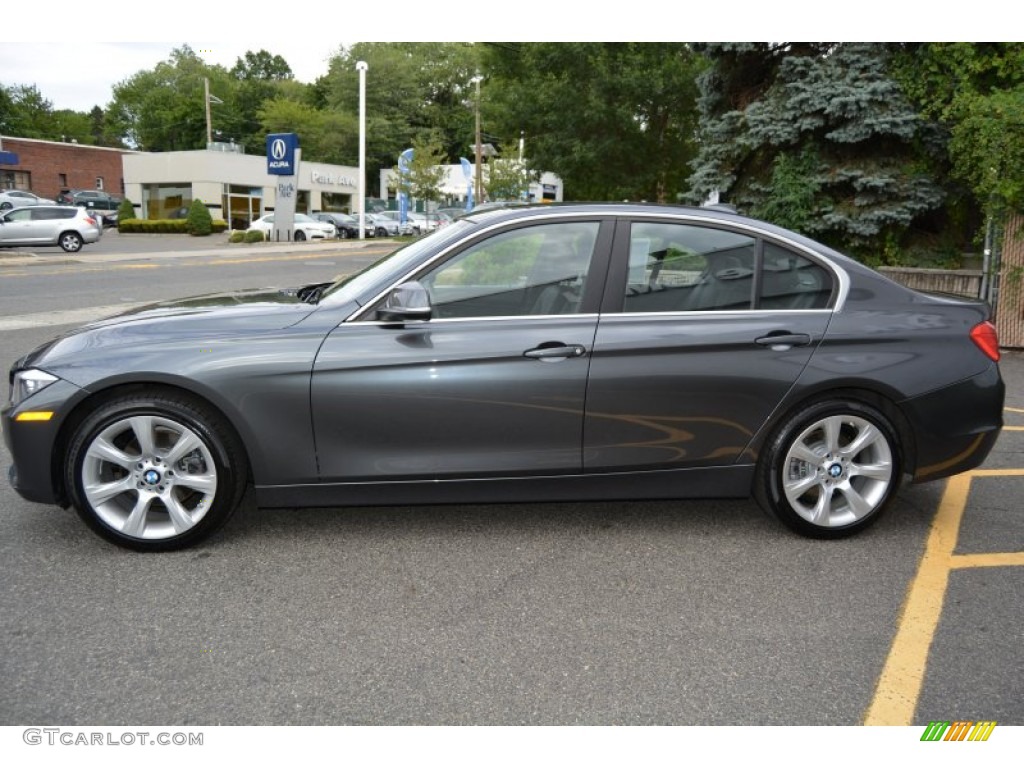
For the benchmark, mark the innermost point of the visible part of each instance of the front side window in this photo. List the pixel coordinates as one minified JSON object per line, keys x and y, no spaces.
{"x":686,"y":268}
{"x":536,"y":270}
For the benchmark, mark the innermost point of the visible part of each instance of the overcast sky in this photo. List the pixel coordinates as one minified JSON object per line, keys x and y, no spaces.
{"x":81,"y":75}
{"x":60,"y":46}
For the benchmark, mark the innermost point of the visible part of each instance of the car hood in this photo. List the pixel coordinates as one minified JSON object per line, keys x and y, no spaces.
{"x":211,"y":316}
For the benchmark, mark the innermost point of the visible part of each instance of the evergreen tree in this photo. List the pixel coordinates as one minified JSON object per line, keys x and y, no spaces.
{"x":817,"y":137}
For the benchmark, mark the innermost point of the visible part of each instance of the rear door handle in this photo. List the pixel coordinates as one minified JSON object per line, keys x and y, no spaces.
{"x":781,"y":340}
{"x":555,"y":351}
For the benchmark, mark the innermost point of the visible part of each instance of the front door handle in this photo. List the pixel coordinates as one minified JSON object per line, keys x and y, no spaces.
{"x":555,"y":351}
{"x":780,"y":340}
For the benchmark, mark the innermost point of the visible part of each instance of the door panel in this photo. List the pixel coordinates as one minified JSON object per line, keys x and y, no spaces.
{"x":691,"y":389}
{"x":443,"y":399}
{"x":705,"y":330}
{"x":493,"y":385}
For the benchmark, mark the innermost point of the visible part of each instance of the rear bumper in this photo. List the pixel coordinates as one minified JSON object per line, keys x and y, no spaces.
{"x":956,"y":426}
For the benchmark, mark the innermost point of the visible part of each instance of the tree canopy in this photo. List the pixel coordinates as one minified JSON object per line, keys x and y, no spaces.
{"x":883,"y":150}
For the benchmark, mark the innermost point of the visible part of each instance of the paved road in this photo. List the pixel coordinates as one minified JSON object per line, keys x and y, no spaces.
{"x":613,"y":613}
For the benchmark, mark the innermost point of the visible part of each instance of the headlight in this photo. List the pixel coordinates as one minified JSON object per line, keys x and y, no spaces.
{"x":27,"y":383}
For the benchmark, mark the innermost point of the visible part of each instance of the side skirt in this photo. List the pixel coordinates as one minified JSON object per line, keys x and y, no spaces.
{"x":733,"y":482}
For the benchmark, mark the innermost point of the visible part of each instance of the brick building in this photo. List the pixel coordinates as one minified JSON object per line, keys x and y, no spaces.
{"x":47,"y":167}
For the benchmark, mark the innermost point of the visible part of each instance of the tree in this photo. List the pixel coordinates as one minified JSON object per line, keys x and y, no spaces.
{"x":164,"y":109}
{"x":817,"y":137}
{"x":975,"y":91}
{"x":425,"y":173}
{"x":414,"y":92}
{"x":31,"y":114}
{"x":508,"y":178}
{"x":325,"y":136}
{"x":613,"y":120}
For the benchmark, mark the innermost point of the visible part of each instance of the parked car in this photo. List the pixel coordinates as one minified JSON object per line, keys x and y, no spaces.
{"x":587,"y":352}
{"x":306,"y":227}
{"x":346,"y":226}
{"x":385,"y":225}
{"x":17,"y":198}
{"x":91,"y":199}
{"x":66,"y":226}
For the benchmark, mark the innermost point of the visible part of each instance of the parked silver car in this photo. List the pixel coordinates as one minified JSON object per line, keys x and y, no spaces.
{"x":16,"y":198}
{"x":70,"y":227}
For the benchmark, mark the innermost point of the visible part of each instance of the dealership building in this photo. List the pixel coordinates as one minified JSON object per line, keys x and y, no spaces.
{"x":234,"y":186}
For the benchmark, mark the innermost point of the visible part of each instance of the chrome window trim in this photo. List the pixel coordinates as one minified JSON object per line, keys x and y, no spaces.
{"x":629,"y":217}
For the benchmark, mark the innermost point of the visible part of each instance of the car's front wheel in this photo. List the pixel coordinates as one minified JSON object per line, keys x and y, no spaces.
{"x":155,"y":472}
{"x":830,"y":470}
{"x":299,"y":235}
{"x":381,"y":232}
{"x":71,"y":242}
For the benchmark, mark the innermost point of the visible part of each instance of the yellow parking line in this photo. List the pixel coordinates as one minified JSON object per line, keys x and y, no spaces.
{"x":987,"y":560}
{"x":1013,"y":410}
{"x":1013,"y":429}
{"x":899,"y":685}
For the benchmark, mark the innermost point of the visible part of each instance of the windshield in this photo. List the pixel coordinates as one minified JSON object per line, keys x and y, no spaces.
{"x":382,"y":273}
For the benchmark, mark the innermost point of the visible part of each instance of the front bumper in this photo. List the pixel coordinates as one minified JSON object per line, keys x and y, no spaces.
{"x":33,"y":473}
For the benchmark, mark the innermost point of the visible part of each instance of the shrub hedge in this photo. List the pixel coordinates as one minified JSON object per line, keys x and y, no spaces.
{"x":165,"y":226}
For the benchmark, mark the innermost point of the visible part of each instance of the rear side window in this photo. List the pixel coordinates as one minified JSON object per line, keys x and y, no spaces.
{"x":50,"y":214}
{"x":792,"y":281}
{"x":685,"y":268}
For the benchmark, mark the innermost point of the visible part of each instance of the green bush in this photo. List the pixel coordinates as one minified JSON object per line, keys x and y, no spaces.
{"x":219,"y":225}
{"x":237,"y":236}
{"x":200,"y":223}
{"x":125,"y":211}
{"x":254,"y":236}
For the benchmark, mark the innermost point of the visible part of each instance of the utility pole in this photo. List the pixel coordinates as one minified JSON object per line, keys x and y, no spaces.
{"x":209,"y":99}
{"x":479,"y":150}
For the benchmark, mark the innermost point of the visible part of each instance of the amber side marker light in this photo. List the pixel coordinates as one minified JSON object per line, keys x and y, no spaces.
{"x":34,"y":416}
{"x":984,"y":335}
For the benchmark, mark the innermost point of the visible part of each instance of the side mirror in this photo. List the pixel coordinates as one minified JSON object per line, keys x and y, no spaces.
{"x":408,"y":301}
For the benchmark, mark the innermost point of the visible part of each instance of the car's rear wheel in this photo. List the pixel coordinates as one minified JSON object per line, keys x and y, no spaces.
{"x":299,"y":235}
{"x":830,"y":470}
{"x":71,"y":242}
{"x":5,"y":206}
{"x":381,"y":232}
{"x":155,"y":472}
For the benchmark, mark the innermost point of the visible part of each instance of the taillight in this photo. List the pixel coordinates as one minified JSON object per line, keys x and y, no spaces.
{"x":985,"y":336}
{"x":91,"y":220}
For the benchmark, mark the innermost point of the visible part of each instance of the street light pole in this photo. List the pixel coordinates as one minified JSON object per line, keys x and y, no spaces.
{"x":479,"y":149}
{"x":361,"y":67}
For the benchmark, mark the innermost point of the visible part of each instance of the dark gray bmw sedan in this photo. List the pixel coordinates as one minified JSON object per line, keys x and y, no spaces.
{"x":530,"y":354}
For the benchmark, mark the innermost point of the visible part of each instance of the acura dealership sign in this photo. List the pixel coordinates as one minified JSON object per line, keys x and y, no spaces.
{"x":281,"y":153}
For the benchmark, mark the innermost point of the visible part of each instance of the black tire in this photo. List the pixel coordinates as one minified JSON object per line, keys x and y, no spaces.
{"x":381,"y":232}
{"x":343,"y":234}
{"x":831,"y":469}
{"x":129,"y":484}
{"x":5,"y":206}
{"x":299,"y":236}
{"x":71,"y":242}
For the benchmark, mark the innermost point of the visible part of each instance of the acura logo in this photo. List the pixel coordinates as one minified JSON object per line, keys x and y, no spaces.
{"x":278,"y":149}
